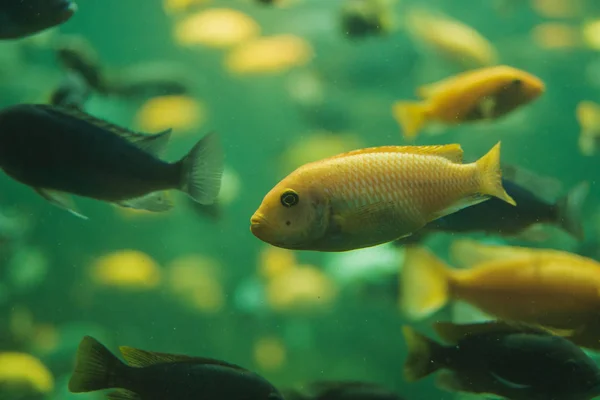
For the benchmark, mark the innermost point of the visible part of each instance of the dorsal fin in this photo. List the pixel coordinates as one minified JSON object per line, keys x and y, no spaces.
{"x":154,"y":144}
{"x":453,"y":333}
{"x":143,"y":358}
{"x":452,"y":152}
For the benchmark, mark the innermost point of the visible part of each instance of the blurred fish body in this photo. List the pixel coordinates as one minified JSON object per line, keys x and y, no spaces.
{"x":65,"y":151}
{"x":157,"y":376}
{"x":497,"y":217}
{"x":515,"y":362}
{"x":77,"y":55}
{"x":545,"y":287}
{"x":372,"y":196}
{"x":72,"y":91}
{"x":481,"y":94}
{"x":21,"y":18}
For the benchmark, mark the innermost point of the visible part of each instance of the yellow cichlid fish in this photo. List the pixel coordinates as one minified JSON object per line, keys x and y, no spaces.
{"x":481,"y":94}
{"x":372,"y":196}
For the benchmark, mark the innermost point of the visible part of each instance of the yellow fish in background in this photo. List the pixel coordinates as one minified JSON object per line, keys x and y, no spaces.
{"x":452,"y":39}
{"x":481,"y":94}
{"x":588,"y":117}
{"x":550,"y":288}
{"x":372,"y":196}
{"x":24,"y":376}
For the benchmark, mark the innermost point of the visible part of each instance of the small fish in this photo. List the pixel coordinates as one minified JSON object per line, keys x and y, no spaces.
{"x":372,"y":196}
{"x":343,"y":390}
{"x":497,"y":217}
{"x":59,"y":151}
{"x":551,"y":288}
{"x":481,"y":94}
{"x":77,"y":55}
{"x":158,"y":376}
{"x":360,"y":18}
{"x":513,"y":361}
{"x":150,"y":79}
{"x":72,"y":92}
{"x":21,"y":18}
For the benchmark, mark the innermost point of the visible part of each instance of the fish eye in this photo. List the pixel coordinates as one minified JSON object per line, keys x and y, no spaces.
{"x":289,"y":198}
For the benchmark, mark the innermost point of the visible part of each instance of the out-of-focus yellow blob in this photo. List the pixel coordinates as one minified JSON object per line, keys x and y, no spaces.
{"x":269,"y":55}
{"x":180,"y":6}
{"x":274,"y":261}
{"x":558,"y":8}
{"x":591,"y":34}
{"x":317,"y":146}
{"x":128,"y":269}
{"x":216,"y":27}
{"x":181,"y":113}
{"x":270,"y":353}
{"x":588,"y":116}
{"x":22,"y":371}
{"x":302,"y":288}
{"x":556,"y":35}
{"x":46,"y":339}
{"x":451,"y":39}
{"x":195,"y":281}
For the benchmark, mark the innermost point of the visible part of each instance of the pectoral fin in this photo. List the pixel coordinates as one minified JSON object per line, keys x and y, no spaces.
{"x":60,"y":199}
{"x":510,"y":384}
{"x":487,"y":107}
{"x":154,"y":202}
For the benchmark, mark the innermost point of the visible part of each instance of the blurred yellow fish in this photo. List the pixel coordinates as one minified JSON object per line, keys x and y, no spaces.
{"x":23,"y":375}
{"x":588,"y":116}
{"x":372,"y":196}
{"x":129,"y":269}
{"x":180,"y":113}
{"x":451,"y":39}
{"x":486,"y":93}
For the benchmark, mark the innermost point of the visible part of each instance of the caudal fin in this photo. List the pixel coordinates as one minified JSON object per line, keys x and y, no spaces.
{"x":423,"y":283}
{"x":490,"y":175}
{"x":202,"y":169}
{"x":422,"y":355}
{"x":411,"y":116}
{"x":569,"y":208}
{"x":96,"y":368}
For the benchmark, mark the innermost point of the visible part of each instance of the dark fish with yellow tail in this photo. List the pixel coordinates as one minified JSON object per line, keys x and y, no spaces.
{"x":159,"y":376}
{"x":515,"y":362}
{"x":22,"y":18}
{"x":59,"y":152}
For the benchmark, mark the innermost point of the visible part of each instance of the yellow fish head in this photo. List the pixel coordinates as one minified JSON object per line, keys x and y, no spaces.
{"x":517,"y":87}
{"x":291,"y":216}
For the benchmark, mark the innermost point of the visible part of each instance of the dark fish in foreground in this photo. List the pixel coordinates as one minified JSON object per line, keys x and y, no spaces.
{"x":21,"y":18}
{"x":512,"y":361}
{"x":496,"y":217}
{"x":343,"y":390}
{"x":159,"y":376}
{"x":59,"y":151}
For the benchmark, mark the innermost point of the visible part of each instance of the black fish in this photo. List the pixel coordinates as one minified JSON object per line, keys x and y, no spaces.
{"x":77,"y":55}
{"x":497,"y":217}
{"x":343,"y":390}
{"x":160,"y":376}
{"x":72,"y":92}
{"x":21,"y":18}
{"x":150,"y":79}
{"x":512,"y":361}
{"x":58,"y":151}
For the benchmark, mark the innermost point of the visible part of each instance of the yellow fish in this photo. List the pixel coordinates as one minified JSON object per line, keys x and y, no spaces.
{"x":486,"y":93}
{"x":372,"y":196}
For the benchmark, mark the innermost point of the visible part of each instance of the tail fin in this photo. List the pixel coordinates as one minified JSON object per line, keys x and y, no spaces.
{"x":421,"y":358}
{"x":96,"y":368}
{"x":490,"y":175}
{"x":423,"y":283}
{"x":202,"y":169}
{"x":569,"y":210}
{"x":411,"y":116}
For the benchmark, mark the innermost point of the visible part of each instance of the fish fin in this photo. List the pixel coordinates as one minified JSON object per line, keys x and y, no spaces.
{"x":154,"y":202}
{"x":202,"y":170}
{"x":155,"y":144}
{"x":420,"y":360}
{"x":569,"y":210}
{"x":96,"y":368}
{"x":60,"y":199}
{"x":143,"y":358}
{"x":449,"y":381}
{"x":122,"y":394}
{"x":411,"y":116}
{"x":451,"y":152}
{"x":486,"y":107}
{"x":490,"y":175}
{"x":454,"y":333}
{"x":510,"y":384}
{"x":424,"y":283}
{"x":465,"y":202}
{"x":544,"y":187}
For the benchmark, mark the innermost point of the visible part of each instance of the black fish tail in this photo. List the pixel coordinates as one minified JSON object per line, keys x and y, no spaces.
{"x":568,"y":210}
{"x":201,"y":170}
{"x":423,"y":355}
{"x":96,"y":368}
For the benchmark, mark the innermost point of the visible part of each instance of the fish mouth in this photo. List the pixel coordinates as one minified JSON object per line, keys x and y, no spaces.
{"x":257,"y":225}
{"x":65,"y":8}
